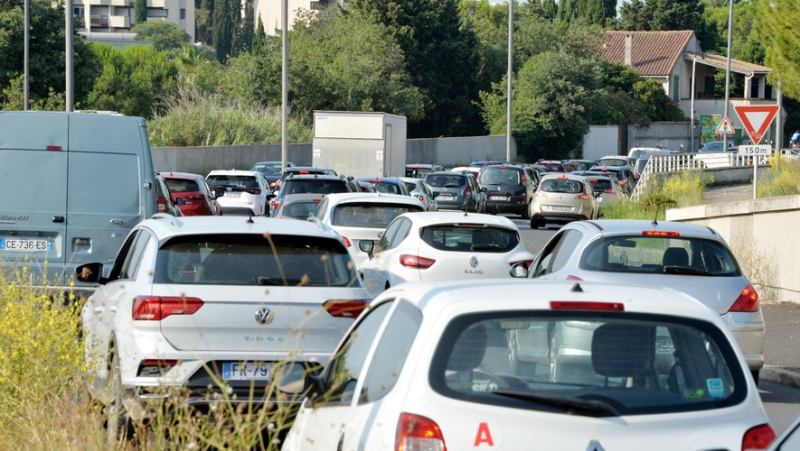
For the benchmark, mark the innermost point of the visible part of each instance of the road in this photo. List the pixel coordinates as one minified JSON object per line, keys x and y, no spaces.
{"x":781,"y":403}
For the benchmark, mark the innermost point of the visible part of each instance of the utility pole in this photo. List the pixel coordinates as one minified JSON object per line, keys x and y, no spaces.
{"x":26,"y":56}
{"x":284,"y":84}
{"x":728,"y":72}
{"x":70,"y":89}
{"x":510,"y":76}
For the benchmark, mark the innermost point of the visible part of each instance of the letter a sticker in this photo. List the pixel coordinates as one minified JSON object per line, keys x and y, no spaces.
{"x":483,"y":436}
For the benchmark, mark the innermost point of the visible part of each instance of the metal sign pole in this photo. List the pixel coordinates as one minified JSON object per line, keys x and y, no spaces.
{"x":755,"y":177}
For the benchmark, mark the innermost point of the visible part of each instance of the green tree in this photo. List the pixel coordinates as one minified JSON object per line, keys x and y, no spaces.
{"x":163,"y":35}
{"x":441,"y":58}
{"x":226,"y":21}
{"x":204,"y":30}
{"x":777,"y":22}
{"x":490,"y":23}
{"x":663,"y":15}
{"x":260,"y":39}
{"x":139,"y":12}
{"x":136,"y":80}
{"x":246,"y":30}
{"x":567,"y":10}
{"x":47,"y":62}
{"x":549,"y":9}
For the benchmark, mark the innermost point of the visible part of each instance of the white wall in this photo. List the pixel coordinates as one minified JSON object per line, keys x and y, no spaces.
{"x":601,"y":140}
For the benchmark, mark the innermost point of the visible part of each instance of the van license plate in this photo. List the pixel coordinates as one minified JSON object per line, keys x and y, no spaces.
{"x":26,"y":245}
{"x":246,"y":371}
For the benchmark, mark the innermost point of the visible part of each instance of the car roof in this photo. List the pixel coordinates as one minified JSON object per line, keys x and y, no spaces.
{"x":181,"y":175}
{"x":422,"y":165}
{"x":563,"y":175}
{"x":305,"y":168}
{"x":323,"y":177}
{"x":527,"y":294}
{"x":395,"y":180}
{"x":464,"y":173}
{"x":166,"y":226}
{"x":411,"y":179}
{"x":289,"y":198}
{"x":339,"y":198}
{"x":233,"y":172}
{"x":423,"y":219}
{"x":270,"y":163}
{"x":637,"y":226}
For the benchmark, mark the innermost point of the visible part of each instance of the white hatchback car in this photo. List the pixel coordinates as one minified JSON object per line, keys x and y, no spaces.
{"x":430,"y":367}
{"x":691,"y":258}
{"x":243,"y":192}
{"x":202,"y":299}
{"x":362,"y":216}
{"x":447,"y":245}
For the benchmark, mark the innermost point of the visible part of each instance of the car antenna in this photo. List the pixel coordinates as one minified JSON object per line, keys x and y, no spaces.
{"x":576,"y":288}
{"x":250,"y":219}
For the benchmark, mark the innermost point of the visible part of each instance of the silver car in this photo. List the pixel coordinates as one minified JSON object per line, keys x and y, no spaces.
{"x":421,"y":191}
{"x":563,"y":197}
{"x":691,"y":258}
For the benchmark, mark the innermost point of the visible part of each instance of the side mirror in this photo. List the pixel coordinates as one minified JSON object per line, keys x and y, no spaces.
{"x":218,"y":193}
{"x":598,"y":193}
{"x":180,"y":202}
{"x":90,"y":273}
{"x":435,"y":194}
{"x":367,"y":246}
{"x":519,"y":270}
{"x":292,"y":378}
{"x":483,"y":189}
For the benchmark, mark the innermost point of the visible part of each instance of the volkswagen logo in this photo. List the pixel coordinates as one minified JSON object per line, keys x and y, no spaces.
{"x":473,"y":262}
{"x":264,"y":316}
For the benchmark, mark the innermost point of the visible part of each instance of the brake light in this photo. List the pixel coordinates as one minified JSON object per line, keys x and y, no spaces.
{"x":375,"y":181}
{"x":275,"y":204}
{"x":162,"y":204}
{"x":52,"y":147}
{"x":347,"y":241}
{"x":758,"y":437}
{"x":155,"y":308}
{"x":610,"y":191}
{"x":254,"y":192}
{"x":345,"y":308}
{"x":588,"y":305}
{"x":582,"y":197}
{"x":151,"y":368}
{"x":661,"y":234}
{"x":420,"y":197}
{"x":523,"y":178}
{"x":418,"y":433}
{"x":414,"y":261}
{"x":468,"y":192}
{"x":747,"y":301}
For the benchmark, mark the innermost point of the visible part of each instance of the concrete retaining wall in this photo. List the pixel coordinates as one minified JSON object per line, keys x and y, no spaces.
{"x":451,"y":152}
{"x":763,"y":234}
{"x":670,"y":135}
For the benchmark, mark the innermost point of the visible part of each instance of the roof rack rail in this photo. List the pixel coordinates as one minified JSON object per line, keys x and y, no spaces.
{"x":173,"y":221}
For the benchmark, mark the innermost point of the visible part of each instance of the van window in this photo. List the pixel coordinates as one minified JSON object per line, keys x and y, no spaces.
{"x":112,"y":180}
{"x":500,"y":176}
{"x":445,"y":181}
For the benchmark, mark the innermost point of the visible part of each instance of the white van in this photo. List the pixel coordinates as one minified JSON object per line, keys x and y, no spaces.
{"x":74,"y":185}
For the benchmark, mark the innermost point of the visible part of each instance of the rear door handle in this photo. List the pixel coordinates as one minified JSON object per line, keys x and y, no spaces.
{"x":58,"y":219}
{"x":116,"y":221}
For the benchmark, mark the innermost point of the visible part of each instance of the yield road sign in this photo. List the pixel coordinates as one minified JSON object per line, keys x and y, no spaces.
{"x":725,"y":127}
{"x":756,"y":119}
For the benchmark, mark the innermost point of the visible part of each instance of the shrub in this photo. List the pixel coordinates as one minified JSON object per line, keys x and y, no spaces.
{"x":682,"y":190}
{"x":783,"y":179}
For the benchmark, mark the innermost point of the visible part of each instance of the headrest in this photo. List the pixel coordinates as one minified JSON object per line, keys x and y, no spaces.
{"x":620,"y":350}
{"x":676,"y":256}
{"x":469,"y":350}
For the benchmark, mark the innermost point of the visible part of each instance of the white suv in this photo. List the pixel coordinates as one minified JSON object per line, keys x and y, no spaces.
{"x":202,"y":299}
{"x":243,"y":192}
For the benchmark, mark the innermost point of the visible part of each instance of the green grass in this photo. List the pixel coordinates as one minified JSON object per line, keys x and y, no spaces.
{"x":783,"y":178}
{"x":683,"y":190}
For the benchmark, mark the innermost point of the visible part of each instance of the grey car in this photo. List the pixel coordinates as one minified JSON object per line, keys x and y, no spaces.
{"x":298,"y":206}
{"x":457,"y":191}
{"x":509,"y":189}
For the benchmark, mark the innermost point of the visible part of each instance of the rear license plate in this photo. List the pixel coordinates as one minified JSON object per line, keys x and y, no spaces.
{"x":26,"y":245}
{"x":233,"y":194}
{"x":498,"y":198}
{"x":560,"y":208}
{"x":446,"y":197}
{"x":246,"y":371}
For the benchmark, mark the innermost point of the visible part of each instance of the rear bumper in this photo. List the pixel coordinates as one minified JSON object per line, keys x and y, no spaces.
{"x":559,"y":216}
{"x":749,"y":330}
{"x":238,"y":211}
{"x":514,"y":205}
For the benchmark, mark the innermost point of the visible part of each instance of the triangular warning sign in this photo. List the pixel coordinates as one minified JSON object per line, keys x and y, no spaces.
{"x":756,"y":119}
{"x":725,"y":127}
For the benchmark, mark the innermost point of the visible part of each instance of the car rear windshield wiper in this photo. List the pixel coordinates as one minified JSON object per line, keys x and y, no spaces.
{"x":685,"y":270}
{"x":587,"y":407}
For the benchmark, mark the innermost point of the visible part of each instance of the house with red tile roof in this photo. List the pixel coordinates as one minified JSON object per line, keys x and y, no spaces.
{"x":675,"y":59}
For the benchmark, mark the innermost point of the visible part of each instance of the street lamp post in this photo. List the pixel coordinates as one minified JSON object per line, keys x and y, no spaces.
{"x":284,"y":84}
{"x":70,"y":88}
{"x":728,"y":71}
{"x":510,"y":76}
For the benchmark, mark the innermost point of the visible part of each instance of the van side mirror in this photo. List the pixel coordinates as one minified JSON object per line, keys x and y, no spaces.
{"x":90,"y":273}
{"x":519,"y":270}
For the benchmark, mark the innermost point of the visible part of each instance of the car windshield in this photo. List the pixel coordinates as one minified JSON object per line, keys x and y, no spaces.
{"x":560,"y":185}
{"x":470,"y":238}
{"x":239,"y":181}
{"x":182,"y":186}
{"x":418,"y":173}
{"x":231,"y":259}
{"x":267,"y":169}
{"x":715,"y":146}
{"x":386,"y":188}
{"x":445,"y":181}
{"x":371,"y":215}
{"x":500,"y":176}
{"x":660,"y":254}
{"x":299,"y":209}
{"x":294,"y":186}
{"x":613,"y":162}
{"x":597,"y":364}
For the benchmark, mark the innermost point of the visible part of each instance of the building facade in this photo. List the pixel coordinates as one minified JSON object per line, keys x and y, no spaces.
{"x":116,"y":16}
{"x":270,"y":11}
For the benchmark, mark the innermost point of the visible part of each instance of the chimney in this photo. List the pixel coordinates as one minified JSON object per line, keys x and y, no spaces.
{"x":629,"y":50}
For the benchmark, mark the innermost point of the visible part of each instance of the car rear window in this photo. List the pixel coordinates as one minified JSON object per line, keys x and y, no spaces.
{"x":299,"y":209}
{"x":470,"y":238}
{"x":582,"y":166}
{"x":500,"y":176}
{"x":239,"y":181}
{"x":597,"y":364}
{"x":182,"y":186}
{"x":664,"y":255}
{"x":371,"y":215}
{"x":561,"y":186}
{"x":601,"y":185}
{"x":445,"y":181}
{"x":239,"y":259}
{"x":386,"y":188}
{"x":552,"y":167}
{"x":314,"y":186}
{"x":418,"y":172}
{"x":411,"y":186}
{"x":267,"y":169}
{"x":613,"y":162}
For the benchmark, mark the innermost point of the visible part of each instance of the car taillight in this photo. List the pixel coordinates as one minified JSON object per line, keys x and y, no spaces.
{"x":151,"y":368}
{"x":588,"y":305}
{"x":156,"y":308}
{"x":582,"y":197}
{"x":573,"y":278}
{"x":609,"y":191}
{"x":414,"y":261}
{"x":345,"y":308}
{"x":254,"y":192}
{"x":758,"y":437}
{"x":275,"y":205}
{"x":162,"y":204}
{"x":420,"y":197}
{"x":347,"y":241}
{"x":747,"y":301}
{"x":418,"y":433}
{"x":468,"y":192}
{"x":661,"y":234}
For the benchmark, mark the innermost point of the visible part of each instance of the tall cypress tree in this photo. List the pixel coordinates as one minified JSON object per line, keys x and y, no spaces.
{"x":260,"y":40}
{"x":567,"y":10}
{"x":225,"y":22}
{"x":549,"y":9}
{"x":139,"y":11}
{"x":204,"y":22}
{"x":247,"y":29}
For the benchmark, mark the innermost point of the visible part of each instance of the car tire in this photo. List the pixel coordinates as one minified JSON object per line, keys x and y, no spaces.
{"x":535,"y":224}
{"x":116,"y":418}
{"x":755,"y":374}
{"x":526,"y":213}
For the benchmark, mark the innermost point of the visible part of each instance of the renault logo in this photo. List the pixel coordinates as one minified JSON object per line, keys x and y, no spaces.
{"x":594,"y":445}
{"x":264,"y":316}
{"x":473,"y":262}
